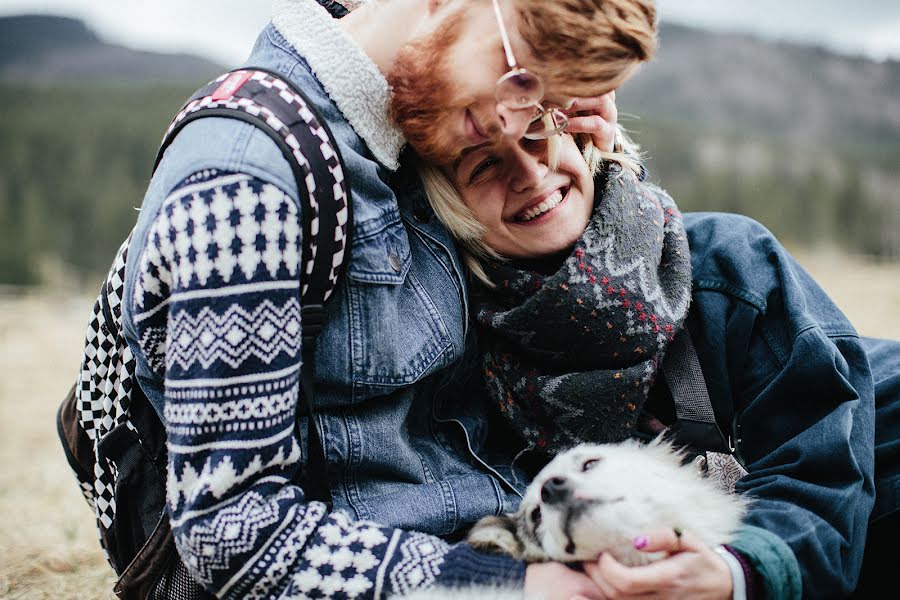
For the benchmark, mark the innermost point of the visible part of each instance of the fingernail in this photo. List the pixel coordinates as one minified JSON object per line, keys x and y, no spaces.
{"x":641,"y":541}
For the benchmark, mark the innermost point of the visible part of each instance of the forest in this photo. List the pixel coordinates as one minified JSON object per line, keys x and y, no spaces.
{"x":75,"y":161}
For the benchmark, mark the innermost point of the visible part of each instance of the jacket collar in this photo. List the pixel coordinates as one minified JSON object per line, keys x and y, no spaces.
{"x":351,"y":79}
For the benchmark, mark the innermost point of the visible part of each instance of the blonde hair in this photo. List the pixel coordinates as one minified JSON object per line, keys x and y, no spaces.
{"x":459,"y":220}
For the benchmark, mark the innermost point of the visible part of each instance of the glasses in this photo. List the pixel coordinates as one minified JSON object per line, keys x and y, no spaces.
{"x":519,"y":89}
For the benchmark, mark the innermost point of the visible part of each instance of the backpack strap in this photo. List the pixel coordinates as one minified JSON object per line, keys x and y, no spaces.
{"x":269,"y":102}
{"x":695,"y":423}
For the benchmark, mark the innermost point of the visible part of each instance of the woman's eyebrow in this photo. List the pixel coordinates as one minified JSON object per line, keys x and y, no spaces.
{"x":467,"y":151}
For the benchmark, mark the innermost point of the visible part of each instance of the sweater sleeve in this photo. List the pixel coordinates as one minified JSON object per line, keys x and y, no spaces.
{"x":217,"y":310}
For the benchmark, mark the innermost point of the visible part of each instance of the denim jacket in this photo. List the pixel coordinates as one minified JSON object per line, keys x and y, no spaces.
{"x":211,"y":318}
{"x":797,"y":389}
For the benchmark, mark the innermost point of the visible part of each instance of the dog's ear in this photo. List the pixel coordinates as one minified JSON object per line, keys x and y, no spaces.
{"x":498,"y":535}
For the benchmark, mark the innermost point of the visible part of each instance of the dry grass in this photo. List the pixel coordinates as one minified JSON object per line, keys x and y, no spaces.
{"x":48,"y":546}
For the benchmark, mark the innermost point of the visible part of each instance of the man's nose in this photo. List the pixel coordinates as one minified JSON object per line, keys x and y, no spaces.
{"x":556,"y":490}
{"x":514,"y":122}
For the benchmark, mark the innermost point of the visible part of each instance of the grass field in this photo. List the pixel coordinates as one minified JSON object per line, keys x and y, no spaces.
{"x":48,"y":545}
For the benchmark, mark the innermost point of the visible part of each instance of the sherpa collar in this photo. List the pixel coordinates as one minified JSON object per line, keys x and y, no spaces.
{"x":349,"y":76}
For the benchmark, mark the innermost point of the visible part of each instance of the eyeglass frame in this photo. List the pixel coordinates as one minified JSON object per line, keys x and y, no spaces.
{"x":516,"y":71}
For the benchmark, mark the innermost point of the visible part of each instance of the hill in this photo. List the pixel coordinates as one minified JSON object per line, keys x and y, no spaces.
{"x":47,"y":49}
{"x":738,"y":83}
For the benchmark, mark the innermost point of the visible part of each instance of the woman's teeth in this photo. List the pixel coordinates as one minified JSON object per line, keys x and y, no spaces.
{"x":547,"y":205}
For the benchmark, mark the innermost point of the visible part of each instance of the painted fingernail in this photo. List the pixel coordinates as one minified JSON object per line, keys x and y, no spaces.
{"x":641,"y":541}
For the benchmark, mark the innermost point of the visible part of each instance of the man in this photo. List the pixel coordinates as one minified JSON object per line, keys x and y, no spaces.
{"x":211,"y":310}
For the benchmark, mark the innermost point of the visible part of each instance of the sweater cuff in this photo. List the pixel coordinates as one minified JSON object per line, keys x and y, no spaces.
{"x":750,"y":583}
{"x":777,"y":573}
{"x":464,"y":566}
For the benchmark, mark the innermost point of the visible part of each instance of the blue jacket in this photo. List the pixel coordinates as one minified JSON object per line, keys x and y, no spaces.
{"x":791,"y":379}
{"x":211,"y":314}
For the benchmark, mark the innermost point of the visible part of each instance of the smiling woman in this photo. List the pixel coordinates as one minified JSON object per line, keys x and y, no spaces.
{"x":526,"y":209}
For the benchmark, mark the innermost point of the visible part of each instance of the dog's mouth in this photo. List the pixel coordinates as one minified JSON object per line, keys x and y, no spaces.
{"x":576,"y":508}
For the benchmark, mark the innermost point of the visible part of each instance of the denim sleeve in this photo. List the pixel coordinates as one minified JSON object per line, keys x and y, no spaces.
{"x":218,"y":315}
{"x":796,"y":376}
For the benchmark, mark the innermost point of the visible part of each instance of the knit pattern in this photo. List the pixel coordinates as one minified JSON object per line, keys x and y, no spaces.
{"x":570,"y":356}
{"x":218,"y":318}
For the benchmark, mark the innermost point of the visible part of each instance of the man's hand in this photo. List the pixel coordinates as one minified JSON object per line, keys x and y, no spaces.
{"x":597,"y":117}
{"x":693,"y":570}
{"x":555,"y":581}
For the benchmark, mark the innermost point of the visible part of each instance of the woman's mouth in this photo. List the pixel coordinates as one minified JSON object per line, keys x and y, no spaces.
{"x":539,"y":211}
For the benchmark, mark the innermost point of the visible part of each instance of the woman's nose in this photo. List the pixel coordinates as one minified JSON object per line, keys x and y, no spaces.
{"x":528,"y":170}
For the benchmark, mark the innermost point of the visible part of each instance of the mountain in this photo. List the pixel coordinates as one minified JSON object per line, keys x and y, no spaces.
{"x":737,"y":83}
{"x":45,"y":49}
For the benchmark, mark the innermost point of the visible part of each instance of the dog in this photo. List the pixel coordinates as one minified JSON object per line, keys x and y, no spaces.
{"x":597,"y":498}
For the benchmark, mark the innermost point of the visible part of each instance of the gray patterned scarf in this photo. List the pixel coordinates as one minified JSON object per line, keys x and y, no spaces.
{"x":570,"y":355}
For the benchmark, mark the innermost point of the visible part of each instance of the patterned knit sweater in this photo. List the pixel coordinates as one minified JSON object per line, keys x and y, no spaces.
{"x":218,"y":317}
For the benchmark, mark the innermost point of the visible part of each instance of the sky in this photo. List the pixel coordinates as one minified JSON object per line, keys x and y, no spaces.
{"x":861,"y":27}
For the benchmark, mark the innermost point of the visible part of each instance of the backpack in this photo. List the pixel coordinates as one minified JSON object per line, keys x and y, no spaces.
{"x":111,"y":434}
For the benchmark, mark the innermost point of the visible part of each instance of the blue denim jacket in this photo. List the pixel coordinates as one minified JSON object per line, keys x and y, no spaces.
{"x":394,"y":328}
{"x":793,"y":383}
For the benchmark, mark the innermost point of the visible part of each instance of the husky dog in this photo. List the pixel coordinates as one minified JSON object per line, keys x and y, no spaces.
{"x":598,"y":498}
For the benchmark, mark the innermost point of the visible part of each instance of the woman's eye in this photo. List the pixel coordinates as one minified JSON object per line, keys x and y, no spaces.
{"x":589,"y":464}
{"x":536,"y":516}
{"x":482,"y":168}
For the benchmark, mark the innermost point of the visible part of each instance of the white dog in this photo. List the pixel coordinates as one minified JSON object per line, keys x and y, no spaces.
{"x":598,"y":498}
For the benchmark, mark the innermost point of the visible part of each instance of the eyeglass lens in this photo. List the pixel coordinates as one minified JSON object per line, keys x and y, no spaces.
{"x":519,"y":89}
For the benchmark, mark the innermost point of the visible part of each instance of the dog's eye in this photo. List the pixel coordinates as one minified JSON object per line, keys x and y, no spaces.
{"x":536,"y":516}
{"x":589,"y":464}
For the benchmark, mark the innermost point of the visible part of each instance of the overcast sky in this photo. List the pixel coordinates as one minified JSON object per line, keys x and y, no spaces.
{"x":224,"y":30}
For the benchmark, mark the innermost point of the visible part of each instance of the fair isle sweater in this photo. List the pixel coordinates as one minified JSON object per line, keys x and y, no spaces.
{"x":219,"y":319}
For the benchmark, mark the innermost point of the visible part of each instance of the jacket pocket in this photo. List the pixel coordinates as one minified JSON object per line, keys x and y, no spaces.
{"x":397,"y":333}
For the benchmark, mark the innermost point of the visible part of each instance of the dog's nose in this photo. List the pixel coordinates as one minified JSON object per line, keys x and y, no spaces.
{"x":555,"y":490}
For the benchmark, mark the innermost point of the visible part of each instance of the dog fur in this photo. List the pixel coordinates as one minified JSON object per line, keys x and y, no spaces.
{"x":596,"y":499}
{"x":613,"y":493}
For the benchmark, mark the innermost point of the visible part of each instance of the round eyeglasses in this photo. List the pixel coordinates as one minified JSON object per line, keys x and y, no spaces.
{"x":519,"y":89}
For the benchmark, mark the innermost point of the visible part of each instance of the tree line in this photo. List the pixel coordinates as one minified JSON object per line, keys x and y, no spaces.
{"x":75,"y":162}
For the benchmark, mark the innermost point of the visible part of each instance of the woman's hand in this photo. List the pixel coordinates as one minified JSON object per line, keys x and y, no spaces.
{"x":597,"y":117}
{"x":555,"y":581}
{"x":693,"y":570}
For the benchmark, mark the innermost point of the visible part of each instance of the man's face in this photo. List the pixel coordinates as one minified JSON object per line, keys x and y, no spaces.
{"x":444,"y":84}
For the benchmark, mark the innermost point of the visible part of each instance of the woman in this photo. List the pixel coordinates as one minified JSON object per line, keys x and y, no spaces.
{"x":585,"y":277}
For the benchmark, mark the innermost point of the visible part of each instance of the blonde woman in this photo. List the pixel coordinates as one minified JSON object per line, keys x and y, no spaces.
{"x":583,"y":277}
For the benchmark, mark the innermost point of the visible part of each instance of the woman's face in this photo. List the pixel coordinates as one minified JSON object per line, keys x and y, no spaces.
{"x":528,"y":210}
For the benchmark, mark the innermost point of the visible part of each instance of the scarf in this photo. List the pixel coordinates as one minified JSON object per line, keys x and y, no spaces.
{"x":570,"y":353}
